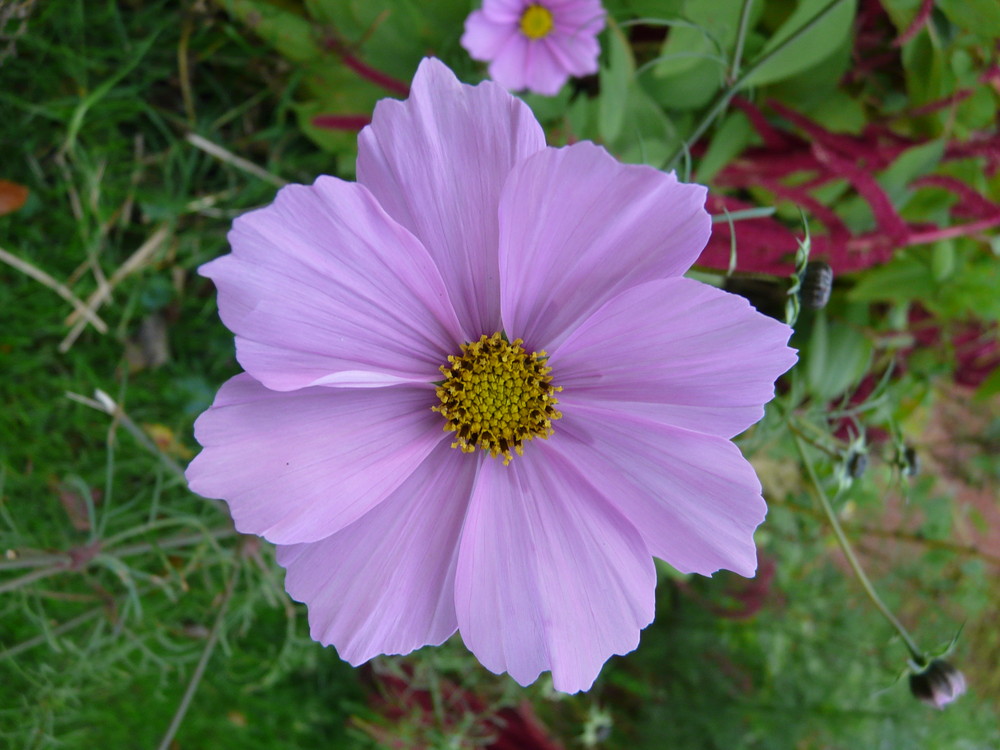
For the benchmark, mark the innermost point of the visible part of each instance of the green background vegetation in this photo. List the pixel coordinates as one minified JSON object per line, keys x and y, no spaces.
{"x":116,"y":582}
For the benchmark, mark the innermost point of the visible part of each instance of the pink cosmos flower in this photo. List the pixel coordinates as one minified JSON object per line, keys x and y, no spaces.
{"x":479,"y":395}
{"x":535,"y":44}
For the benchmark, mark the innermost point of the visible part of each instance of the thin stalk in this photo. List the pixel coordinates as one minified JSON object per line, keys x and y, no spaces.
{"x":721,"y":101}
{"x":199,"y":670}
{"x":852,"y":559}
{"x":741,"y":36}
{"x":35,"y":575}
{"x":63,"y":562}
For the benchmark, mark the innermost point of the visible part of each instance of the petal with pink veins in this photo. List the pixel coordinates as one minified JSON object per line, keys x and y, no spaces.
{"x":694,"y":498}
{"x":323,"y":287}
{"x":693,"y":355}
{"x":386,"y":583}
{"x":550,"y":575}
{"x":577,"y":227}
{"x":300,"y":466}
{"x":437,"y":163}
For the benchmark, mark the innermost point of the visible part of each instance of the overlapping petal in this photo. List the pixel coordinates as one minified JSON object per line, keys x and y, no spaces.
{"x":577,"y":227}
{"x":300,"y":466}
{"x":323,"y":287}
{"x":486,"y":34}
{"x":385,"y":584}
{"x":346,"y":299}
{"x":693,"y":497}
{"x":437,"y":163}
{"x":693,"y":355}
{"x":542,"y":64}
{"x":550,"y":575}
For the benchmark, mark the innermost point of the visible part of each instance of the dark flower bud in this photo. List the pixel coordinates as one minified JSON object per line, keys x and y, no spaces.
{"x":817,"y":283}
{"x":910,"y":461}
{"x":938,"y":684}
{"x":857,"y":462}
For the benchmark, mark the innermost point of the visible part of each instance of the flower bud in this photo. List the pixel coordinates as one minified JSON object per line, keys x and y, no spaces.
{"x":938,"y":684}
{"x":817,"y":283}
{"x":857,"y":462}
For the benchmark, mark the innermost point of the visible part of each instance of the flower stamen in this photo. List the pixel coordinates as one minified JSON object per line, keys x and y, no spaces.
{"x":536,"y":22}
{"x":495,"y":396}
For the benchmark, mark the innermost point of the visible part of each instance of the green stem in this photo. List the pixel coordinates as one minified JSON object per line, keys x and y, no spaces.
{"x":852,"y":559}
{"x":741,"y":36}
{"x":721,"y":101}
{"x":199,"y":670}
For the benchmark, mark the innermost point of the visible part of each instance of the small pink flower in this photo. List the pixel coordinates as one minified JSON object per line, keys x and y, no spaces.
{"x":401,"y":434}
{"x":535,"y":44}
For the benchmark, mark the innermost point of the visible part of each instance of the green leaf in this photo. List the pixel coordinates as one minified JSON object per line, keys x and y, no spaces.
{"x":904,"y":279}
{"x":291,"y":34}
{"x":689,"y":90}
{"x":392,"y":36}
{"x":615,"y":79}
{"x":911,"y":164}
{"x":647,"y":136}
{"x":809,"y":47}
{"x":685,"y":46}
{"x":731,"y":137}
{"x":979,"y":17}
{"x":837,"y":357}
{"x":989,"y":387}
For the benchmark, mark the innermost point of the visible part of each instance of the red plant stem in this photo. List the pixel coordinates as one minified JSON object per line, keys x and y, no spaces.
{"x":917,"y":24}
{"x":934,"y":106}
{"x":341,"y":122}
{"x":375,"y":76}
{"x":867,"y":186}
{"x":972,"y":203}
{"x":946,"y":233}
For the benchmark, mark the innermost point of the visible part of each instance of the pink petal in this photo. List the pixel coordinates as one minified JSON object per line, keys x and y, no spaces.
{"x":544,"y":73}
{"x":693,"y":497}
{"x":505,"y":11}
{"x":299,"y":466}
{"x":577,"y":227}
{"x":550,"y":576}
{"x":484,"y":37}
{"x":323,"y":287}
{"x":437,"y":163}
{"x":693,"y":355}
{"x":574,"y":53}
{"x":386,"y":583}
{"x":509,"y":67}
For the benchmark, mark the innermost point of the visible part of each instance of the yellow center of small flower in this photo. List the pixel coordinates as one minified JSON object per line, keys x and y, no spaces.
{"x":536,"y":22}
{"x":496,"y":395}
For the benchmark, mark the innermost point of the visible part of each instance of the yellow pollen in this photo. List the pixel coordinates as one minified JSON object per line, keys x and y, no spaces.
{"x":495,"y":396}
{"x":536,"y":22}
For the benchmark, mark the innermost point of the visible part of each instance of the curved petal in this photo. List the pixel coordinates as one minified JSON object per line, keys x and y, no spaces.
{"x":322,"y":282}
{"x":577,"y":227}
{"x":577,"y":57}
{"x":297,"y":467}
{"x":386,"y":583}
{"x":484,"y":37}
{"x":437,"y":163}
{"x":688,"y":353}
{"x":550,"y":576}
{"x":509,"y":67}
{"x":544,"y":73}
{"x":693,"y":497}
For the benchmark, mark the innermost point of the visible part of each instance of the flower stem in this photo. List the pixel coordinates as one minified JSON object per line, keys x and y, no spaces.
{"x":721,"y":101}
{"x":741,"y":35}
{"x":845,"y":546}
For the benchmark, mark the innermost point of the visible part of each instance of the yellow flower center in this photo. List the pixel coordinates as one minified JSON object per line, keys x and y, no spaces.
{"x":496,"y":395}
{"x":536,"y":22}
